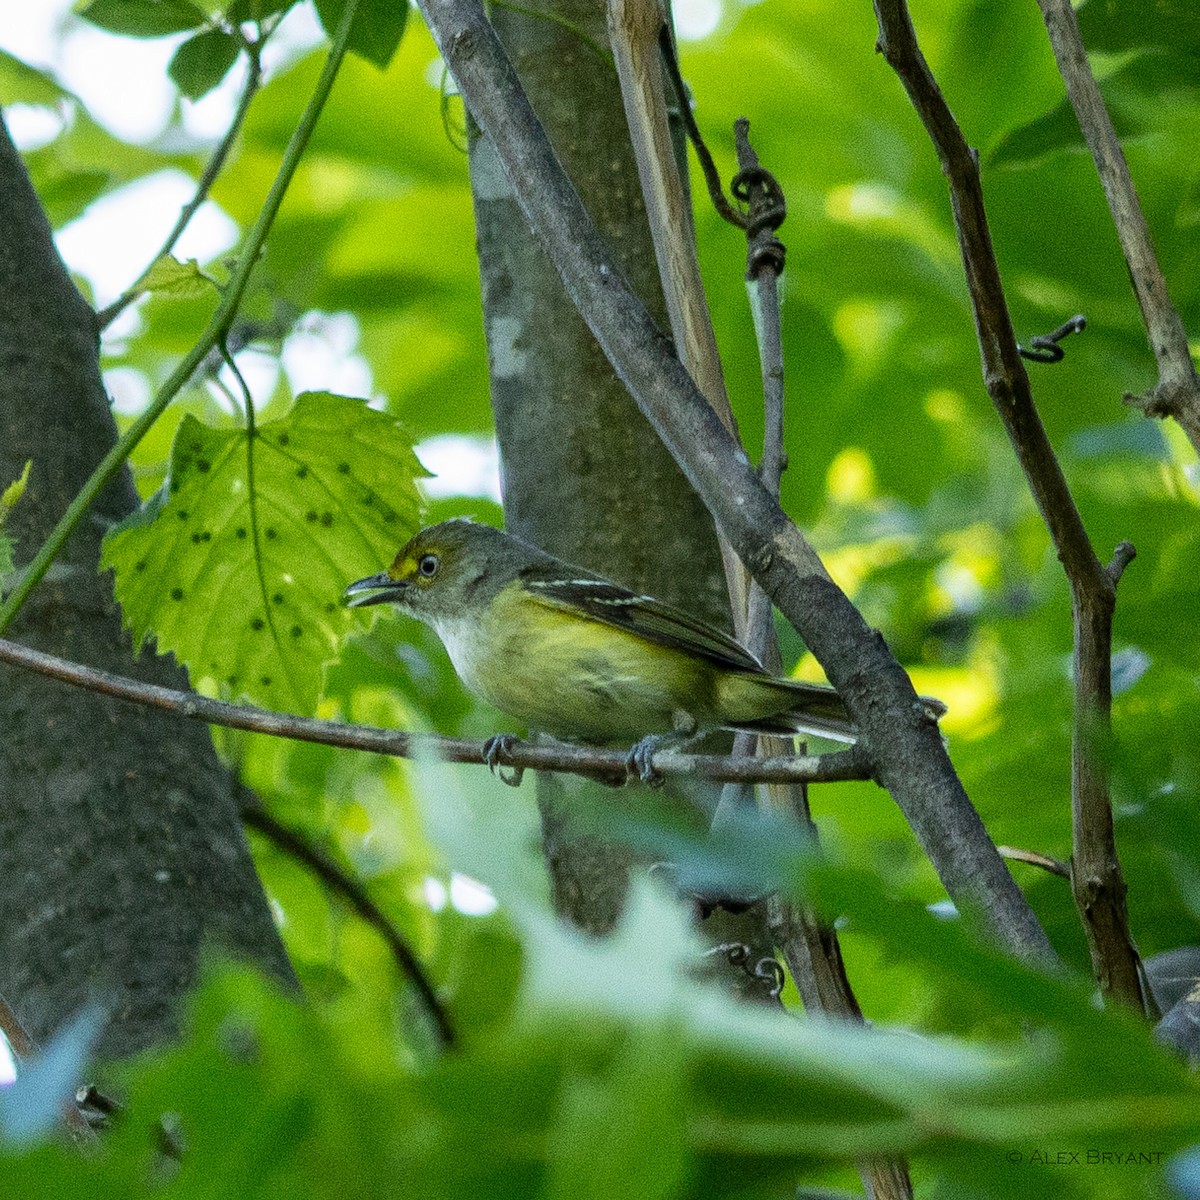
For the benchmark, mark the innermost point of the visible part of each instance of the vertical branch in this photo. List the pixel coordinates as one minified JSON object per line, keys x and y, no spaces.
{"x":809,"y":947}
{"x":635,"y":28}
{"x":1097,"y":881}
{"x":1177,"y":393}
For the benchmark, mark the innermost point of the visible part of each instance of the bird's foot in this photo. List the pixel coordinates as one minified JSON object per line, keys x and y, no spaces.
{"x":640,"y":760}
{"x":497,"y":748}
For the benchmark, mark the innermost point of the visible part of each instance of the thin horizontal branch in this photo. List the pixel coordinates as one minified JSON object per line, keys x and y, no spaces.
{"x":578,"y":760}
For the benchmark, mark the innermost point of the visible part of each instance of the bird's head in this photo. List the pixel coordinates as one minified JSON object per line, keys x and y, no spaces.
{"x":445,"y":571}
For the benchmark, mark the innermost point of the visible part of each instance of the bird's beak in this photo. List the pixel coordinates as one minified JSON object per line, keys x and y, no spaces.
{"x":375,"y":589}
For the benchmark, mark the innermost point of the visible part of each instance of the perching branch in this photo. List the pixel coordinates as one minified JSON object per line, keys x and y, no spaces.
{"x":609,"y":765}
{"x":217,"y":328}
{"x":355,"y":895}
{"x":902,"y":740}
{"x":1097,"y":882}
{"x":213,"y":168}
{"x":1177,"y":393}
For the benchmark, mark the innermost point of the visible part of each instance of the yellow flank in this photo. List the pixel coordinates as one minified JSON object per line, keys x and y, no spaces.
{"x":581,"y":657}
{"x":575,"y":677}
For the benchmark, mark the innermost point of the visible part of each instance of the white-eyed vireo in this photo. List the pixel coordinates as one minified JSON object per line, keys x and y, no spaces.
{"x":582,"y":658}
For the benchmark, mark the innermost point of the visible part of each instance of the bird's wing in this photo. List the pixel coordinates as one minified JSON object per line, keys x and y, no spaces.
{"x":612,"y":604}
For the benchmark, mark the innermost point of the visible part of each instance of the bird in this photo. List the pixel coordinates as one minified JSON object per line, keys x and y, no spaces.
{"x":584,"y":659}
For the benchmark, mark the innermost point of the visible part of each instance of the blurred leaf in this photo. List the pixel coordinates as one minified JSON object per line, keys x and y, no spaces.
{"x":238,"y":565}
{"x":22,"y":84}
{"x":254,"y":10}
{"x":377,"y":28}
{"x":168,"y":276}
{"x":203,"y":61}
{"x":1055,"y":131}
{"x":1117,"y":25}
{"x":33,"y":1106}
{"x":143,"y":18}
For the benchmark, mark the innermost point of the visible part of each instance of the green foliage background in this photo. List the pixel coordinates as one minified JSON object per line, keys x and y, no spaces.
{"x":603,"y":1070}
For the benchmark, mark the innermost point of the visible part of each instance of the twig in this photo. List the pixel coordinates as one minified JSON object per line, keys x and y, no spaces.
{"x":217,"y":327}
{"x":1034,"y":859}
{"x":1177,"y":392}
{"x":810,"y":947}
{"x":1097,"y":882}
{"x":213,"y":168}
{"x":355,"y":895}
{"x":900,"y":736}
{"x":580,"y":760}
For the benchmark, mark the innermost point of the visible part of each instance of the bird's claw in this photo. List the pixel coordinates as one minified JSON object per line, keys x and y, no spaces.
{"x":640,"y":761}
{"x":498,"y":747}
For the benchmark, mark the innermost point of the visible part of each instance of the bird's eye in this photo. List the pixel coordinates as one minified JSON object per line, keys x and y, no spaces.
{"x":428,"y":565}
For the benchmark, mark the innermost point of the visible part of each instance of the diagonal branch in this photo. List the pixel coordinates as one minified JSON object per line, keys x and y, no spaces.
{"x":355,"y":895}
{"x":903,"y":741}
{"x":1177,"y":393}
{"x":1097,"y":881}
{"x":218,"y":326}
{"x":216,"y":163}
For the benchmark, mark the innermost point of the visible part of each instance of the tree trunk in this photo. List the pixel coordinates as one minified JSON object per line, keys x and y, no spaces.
{"x":121,"y":849}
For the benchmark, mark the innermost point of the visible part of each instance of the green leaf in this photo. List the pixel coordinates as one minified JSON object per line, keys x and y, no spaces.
{"x":255,"y":10}
{"x":14,"y":492}
{"x":169,"y":277}
{"x":8,"y":499}
{"x":203,"y":61}
{"x":620,"y":1133}
{"x":143,"y":18}
{"x":1051,"y":133}
{"x":22,"y":84}
{"x":238,"y":564}
{"x":1116,"y":25}
{"x":377,"y":29}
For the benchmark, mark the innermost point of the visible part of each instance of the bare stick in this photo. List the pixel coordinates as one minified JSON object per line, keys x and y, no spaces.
{"x":1177,"y":393}
{"x":580,"y":760}
{"x":355,"y":895}
{"x":212,"y":169}
{"x":1097,"y":881}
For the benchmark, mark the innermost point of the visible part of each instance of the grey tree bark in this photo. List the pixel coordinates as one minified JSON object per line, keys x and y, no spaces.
{"x":121,"y":849}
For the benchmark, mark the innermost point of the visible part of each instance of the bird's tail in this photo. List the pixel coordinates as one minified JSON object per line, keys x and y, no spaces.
{"x":764,"y":704}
